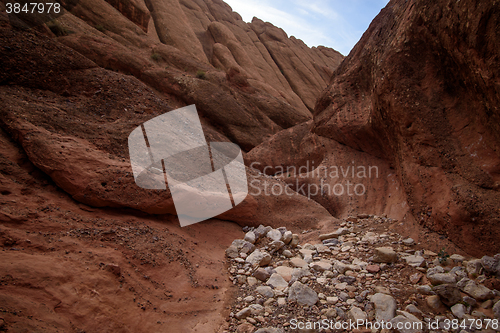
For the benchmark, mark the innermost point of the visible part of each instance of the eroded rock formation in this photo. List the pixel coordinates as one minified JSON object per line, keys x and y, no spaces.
{"x":74,"y":110}
{"x":420,"y":92}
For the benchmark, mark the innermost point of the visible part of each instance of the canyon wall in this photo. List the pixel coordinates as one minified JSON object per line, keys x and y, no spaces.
{"x":74,"y":89}
{"x":418,"y":96}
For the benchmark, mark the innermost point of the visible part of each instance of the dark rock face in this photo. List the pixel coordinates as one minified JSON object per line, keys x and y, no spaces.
{"x":421,"y":92}
{"x":135,"y":11}
{"x":421,"y":89}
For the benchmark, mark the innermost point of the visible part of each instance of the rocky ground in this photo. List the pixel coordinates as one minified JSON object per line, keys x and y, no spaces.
{"x":70,"y":269}
{"x":358,"y":273}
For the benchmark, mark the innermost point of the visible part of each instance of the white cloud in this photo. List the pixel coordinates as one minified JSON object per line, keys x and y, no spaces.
{"x":266,"y":12}
{"x":333,"y":23}
{"x":292,"y":24}
{"x":320,"y":7}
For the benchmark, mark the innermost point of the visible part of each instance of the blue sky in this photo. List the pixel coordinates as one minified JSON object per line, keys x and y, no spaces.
{"x":338,"y":24}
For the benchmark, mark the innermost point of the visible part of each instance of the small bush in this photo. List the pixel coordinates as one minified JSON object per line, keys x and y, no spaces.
{"x":100,"y":27}
{"x":443,"y":256}
{"x":201,"y":74}
{"x":57,"y":29}
{"x":155,"y":56}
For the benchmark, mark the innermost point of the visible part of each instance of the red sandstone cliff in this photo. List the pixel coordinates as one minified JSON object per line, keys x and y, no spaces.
{"x":418,"y":96}
{"x":117,"y":64}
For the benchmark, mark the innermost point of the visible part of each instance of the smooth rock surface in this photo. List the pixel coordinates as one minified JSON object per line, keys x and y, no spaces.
{"x":385,"y":307}
{"x":302,"y":294}
{"x":385,"y":255}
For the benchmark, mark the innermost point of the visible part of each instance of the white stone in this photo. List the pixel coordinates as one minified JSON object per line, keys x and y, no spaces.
{"x":385,"y":307}
{"x":356,"y":314}
{"x":275,"y":246}
{"x":306,"y":252}
{"x":457,"y":258}
{"x":332,"y":300}
{"x":407,"y":325}
{"x":321,"y":280}
{"x":297,"y":262}
{"x":335,"y":234}
{"x":265,"y":291}
{"x":358,"y":262}
{"x":277,"y":282}
{"x":425,"y":290}
{"x":408,"y":241}
{"x":274,"y":234}
{"x":442,"y":278}
{"x":474,"y":267}
{"x":287,"y":237}
{"x":243,"y":313}
{"x":322,"y":248}
{"x":459,"y":310}
{"x":302,"y":294}
{"x":321,"y":265}
{"x":250,"y":237}
{"x":259,"y":258}
{"x":413,"y":309}
{"x":478,"y":291}
{"x":341,"y":286}
{"x":370,"y":237}
{"x":257,"y":309}
{"x":285,"y":272}
{"x":251,"y":281}
{"x":249,"y":299}
{"x":385,"y":255}
{"x":415,"y":261}
{"x":341,"y":267}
